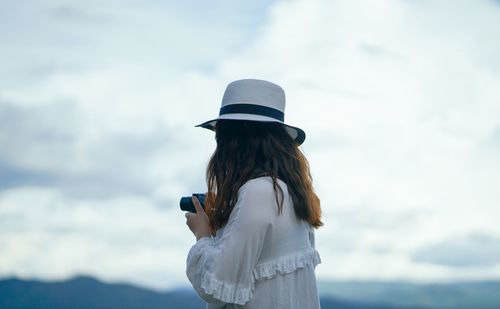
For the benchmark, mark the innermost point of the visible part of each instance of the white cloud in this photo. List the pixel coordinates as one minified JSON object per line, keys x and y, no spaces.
{"x":399,"y":101}
{"x":481,"y":250}
{"x":126,"y":238}
{"x":397,"y":98}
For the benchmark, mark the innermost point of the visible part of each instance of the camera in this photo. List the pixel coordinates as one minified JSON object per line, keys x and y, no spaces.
{"x":186,"y":202}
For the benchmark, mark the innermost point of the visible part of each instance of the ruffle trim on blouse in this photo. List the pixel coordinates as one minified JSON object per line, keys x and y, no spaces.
{"x":224,"y":291}
{"x":287,"y":264}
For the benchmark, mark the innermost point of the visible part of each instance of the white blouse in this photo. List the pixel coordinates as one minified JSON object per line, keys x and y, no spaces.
{"x":259,"y":259}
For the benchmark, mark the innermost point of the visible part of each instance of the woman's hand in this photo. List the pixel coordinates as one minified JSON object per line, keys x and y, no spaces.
{"x":198,"y":222}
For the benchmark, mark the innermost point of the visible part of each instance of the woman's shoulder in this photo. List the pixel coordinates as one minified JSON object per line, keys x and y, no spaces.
{"x":261,"y":185}
{"x":260,"y":192}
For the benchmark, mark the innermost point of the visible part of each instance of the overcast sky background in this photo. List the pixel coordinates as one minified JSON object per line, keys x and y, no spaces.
{"x":400,"y":101}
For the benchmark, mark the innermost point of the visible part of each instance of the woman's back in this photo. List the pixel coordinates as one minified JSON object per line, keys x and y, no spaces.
{"x":260,"y":258}
{"x":262,"y":255}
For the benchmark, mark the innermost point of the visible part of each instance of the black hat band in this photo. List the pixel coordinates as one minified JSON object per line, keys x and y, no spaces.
{"x":252,"y":109}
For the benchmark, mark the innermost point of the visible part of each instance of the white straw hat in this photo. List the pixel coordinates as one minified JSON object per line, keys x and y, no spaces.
{"x":255,"y":100}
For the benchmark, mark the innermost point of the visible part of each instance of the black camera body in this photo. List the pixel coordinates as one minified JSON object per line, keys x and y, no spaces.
{"x":186,"y":202}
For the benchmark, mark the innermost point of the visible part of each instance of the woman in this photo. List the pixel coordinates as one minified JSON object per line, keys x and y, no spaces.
{"x":255,"y":242}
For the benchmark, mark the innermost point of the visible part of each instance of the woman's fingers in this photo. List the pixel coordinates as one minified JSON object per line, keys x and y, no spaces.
{"x":197,"y":204}
{"x":198,"y":222}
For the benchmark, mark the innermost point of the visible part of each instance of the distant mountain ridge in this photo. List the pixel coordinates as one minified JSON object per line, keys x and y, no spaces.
{"x":459,"y":295}
{"x":88,"y":292}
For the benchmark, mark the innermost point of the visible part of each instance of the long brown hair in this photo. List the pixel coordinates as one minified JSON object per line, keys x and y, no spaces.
{"x":248,"y":149}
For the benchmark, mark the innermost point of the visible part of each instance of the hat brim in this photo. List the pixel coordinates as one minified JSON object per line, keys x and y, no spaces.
{"x":295,"y":133}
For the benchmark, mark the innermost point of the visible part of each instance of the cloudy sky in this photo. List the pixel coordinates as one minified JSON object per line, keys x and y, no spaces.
{"x":400,"y":101}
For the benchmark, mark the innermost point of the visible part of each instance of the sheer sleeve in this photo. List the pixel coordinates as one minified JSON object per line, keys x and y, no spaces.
{"x":221,"y":270}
